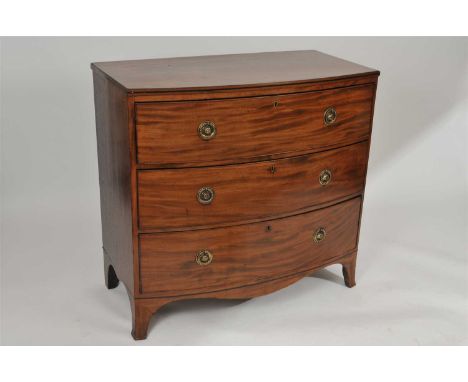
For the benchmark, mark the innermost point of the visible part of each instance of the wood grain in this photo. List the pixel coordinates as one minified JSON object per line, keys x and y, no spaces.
{"x":167,"y":132}
{"x":167,"y":198}
{"x":229,"y":71}
{"x":246,"y":254}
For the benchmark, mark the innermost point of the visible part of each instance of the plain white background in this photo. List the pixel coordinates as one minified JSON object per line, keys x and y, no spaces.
{"x":412,"y":277}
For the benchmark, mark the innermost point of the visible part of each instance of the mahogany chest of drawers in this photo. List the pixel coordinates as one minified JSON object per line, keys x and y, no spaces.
{"x":229,"y":176}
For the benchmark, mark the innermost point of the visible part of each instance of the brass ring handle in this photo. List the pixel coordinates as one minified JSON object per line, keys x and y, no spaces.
{"x":325,"y":177}
{"x":329,"y":116}
{"x":204,"y":257}
{"x":207,"y":130}
{"x":205,"y":195}
{"x":319,"y":235}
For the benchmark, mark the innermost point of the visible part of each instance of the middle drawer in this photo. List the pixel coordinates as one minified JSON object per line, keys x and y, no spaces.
{"x":171,"y":199}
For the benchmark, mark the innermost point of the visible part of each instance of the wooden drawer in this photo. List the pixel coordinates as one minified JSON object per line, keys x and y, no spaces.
{"x":242,"y":193}
{"x":251,"y":128}
{"x":246,"y":254}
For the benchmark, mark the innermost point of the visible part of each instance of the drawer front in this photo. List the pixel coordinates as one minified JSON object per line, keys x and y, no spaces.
{"x":175,"y":263}
{"x":168,"y":199}
{"x":248,"y":128}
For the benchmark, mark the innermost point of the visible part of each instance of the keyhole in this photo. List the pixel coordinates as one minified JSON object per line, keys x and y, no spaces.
{"x":272,"y":169}
{"x":276,"y":104}
{"x":268,"y":228}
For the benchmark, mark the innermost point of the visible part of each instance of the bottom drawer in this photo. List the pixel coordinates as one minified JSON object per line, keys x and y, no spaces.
{"x":177,"y":263}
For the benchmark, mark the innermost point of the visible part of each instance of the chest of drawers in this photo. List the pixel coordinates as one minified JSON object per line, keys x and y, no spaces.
{"x":229,"y":176}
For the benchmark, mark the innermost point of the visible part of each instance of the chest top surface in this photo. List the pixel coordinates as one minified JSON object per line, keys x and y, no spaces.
{"x":229,"y":71}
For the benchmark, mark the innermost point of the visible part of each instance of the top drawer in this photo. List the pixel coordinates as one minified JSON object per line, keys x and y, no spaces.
{"x":232,"y":130}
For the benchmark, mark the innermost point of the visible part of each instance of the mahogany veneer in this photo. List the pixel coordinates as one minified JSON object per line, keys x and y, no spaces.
{"x":249,"y":128}
{"x":229,"y":176}
{"x":247,"y":192}
{"x":246,"y":254}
